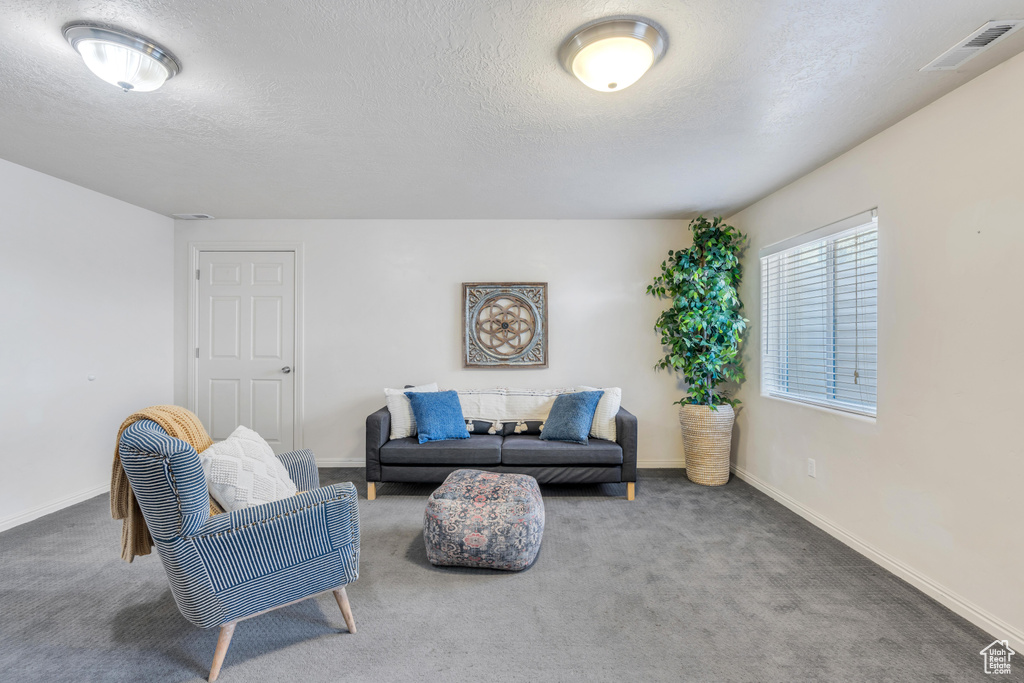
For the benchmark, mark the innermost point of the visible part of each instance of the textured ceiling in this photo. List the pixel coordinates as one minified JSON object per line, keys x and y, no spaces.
{"x":459,"y":108}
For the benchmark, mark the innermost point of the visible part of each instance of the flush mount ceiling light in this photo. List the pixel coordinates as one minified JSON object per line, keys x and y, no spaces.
{"x":128,"y":61}
{"x":612,"y":55}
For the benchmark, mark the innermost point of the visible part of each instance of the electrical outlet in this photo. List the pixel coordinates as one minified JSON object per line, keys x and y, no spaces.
{"x":811,"y":472}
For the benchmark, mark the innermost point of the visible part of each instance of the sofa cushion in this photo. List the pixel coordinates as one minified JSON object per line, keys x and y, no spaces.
{"x":603,"y":426}
{"x":506,"y":428}
{"x":478,"y":449}
{"x":523,"y":427}
{"x":528,"y":449}
{"x":571,"y":417}
{"x":438,"y":415}
{"x":403,"y":423}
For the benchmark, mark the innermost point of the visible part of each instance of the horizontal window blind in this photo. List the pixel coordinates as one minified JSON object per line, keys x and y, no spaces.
{"x":819,"y":317}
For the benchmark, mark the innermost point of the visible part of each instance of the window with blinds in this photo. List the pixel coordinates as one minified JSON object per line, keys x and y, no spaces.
{"x":819,"y":316}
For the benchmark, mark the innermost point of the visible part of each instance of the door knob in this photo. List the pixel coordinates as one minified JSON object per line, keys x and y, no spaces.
{"x":286,"y":369}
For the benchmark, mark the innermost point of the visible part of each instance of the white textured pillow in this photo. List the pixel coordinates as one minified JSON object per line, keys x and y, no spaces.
{"x":242,"y":471}
{"x":603,"y":426}
{"x":403,"y":423}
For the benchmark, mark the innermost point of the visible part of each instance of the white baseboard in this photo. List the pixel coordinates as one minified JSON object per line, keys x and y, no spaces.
{"x":981,"y":618}
{"x":340,"y":462}
{"x":37,"y":512}
{"x":672,"y":464}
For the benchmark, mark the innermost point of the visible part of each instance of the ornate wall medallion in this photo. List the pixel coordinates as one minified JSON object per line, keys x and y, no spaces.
{"x":505,"y":324}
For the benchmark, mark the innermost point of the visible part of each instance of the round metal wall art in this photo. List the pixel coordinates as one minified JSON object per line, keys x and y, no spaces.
{"x":504,"y":324}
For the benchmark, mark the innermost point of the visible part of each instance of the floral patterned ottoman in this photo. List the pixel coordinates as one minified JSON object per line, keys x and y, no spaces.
{"x":484,"y":519}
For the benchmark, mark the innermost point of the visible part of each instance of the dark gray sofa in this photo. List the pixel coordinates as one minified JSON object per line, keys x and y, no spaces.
{"x":550,"y":462}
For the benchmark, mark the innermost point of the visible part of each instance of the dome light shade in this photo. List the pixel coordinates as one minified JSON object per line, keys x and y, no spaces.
{"x":124,"y":60}
{"x":612,"y":55}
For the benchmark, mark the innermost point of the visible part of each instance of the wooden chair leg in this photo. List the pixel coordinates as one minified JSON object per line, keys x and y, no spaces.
{"x":223,"y":641}
{"x":346,"y":610}
{"x":630,"y":490}
{"x":371,"y":491}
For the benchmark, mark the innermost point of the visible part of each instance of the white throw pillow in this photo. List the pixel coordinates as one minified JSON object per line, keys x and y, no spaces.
{"x":603,"y":426}
{"x":403,"y":423}
{"x":242,"y":471}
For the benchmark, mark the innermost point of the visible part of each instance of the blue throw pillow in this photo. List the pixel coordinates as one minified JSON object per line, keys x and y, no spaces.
{"x":438,"y":415}
{"x":571,"y":417}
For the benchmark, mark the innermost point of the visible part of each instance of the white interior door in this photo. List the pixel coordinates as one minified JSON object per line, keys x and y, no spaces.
{"x":246,"y":344}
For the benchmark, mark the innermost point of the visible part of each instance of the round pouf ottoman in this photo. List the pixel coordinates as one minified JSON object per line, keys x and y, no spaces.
{"x":484,"y":519}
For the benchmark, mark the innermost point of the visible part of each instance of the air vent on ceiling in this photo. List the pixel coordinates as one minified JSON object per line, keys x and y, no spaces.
{"x":192,"y":216}
{"x":974,"y":44}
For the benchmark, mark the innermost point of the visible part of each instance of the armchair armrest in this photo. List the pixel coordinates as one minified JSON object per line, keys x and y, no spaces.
{"x":284,"y":512}
{"x":274,"y":540}
{"x":378,"y":432}
{"x":626,"y":437}
{"x":301,"y":466}
{"x":248,"y":561}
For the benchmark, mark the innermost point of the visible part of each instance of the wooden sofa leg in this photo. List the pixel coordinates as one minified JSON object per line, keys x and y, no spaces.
{"x":371,"y":491}
{"x":223,"y":641}
{"x":630,"y":490}
{"x":346,"y":610}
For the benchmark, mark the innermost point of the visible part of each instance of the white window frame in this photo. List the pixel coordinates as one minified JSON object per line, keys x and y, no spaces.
{"x":823,"y":234}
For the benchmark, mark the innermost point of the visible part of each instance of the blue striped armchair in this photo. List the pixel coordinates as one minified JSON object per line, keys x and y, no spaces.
{"x":229,"y":567}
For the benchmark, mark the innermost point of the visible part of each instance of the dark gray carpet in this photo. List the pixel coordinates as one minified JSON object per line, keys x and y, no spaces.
{"x":684,"y":584}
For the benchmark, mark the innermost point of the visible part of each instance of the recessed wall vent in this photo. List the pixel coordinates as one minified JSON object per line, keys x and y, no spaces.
{"x":974,"y":44}
{"x":192,"y":216}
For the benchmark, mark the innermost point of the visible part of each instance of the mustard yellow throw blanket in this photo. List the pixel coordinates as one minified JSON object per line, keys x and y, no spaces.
{"x":177,"y":422}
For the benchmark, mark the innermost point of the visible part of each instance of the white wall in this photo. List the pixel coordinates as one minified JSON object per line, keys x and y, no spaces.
{"x":933,"y":488}
{"x":382,"y":309}
{"x":87,"y":287}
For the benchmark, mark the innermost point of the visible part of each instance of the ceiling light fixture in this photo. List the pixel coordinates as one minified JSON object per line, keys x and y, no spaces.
{"x":192,"y":216}
{"x":128,"y":61}
{"x":612,"y":55}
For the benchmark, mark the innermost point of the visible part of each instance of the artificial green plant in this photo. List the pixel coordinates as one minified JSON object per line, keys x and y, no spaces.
{"x":702,"y":330}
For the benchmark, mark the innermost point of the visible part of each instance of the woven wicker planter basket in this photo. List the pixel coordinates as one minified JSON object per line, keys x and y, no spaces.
{"x":707,"y":437}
